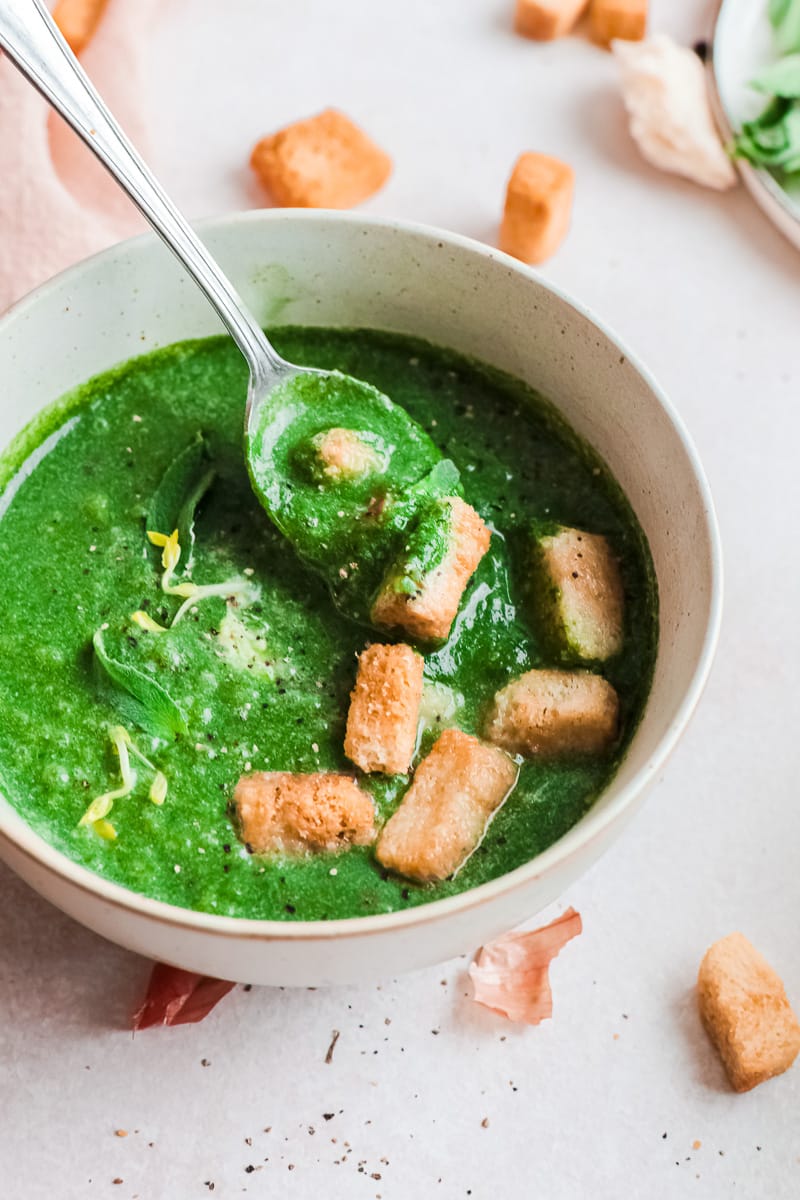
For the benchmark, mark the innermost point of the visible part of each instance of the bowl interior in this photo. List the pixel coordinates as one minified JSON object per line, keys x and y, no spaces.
{"x":335,"y":269}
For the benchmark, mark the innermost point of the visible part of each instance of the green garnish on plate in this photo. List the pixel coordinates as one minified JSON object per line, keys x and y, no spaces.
{"x":772,"y":140}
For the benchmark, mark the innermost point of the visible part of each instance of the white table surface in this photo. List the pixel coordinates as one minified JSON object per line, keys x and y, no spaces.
{"x":613,"y":1097}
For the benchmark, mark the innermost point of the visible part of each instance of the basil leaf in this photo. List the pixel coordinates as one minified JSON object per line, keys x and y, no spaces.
{"x":444,"y":479}
{"x":773,"y":139}
{"x":137,"y":696}
{"x":785,"y":145}
{"x":185,"y":482}
{"x":425,"y":547}
{"x":781,"y":79}
{"x":784,"y":17}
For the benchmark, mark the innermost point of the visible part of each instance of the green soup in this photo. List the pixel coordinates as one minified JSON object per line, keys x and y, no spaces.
{"x":265,"y":686}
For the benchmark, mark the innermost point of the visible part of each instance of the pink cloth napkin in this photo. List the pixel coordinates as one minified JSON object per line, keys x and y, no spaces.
{"x":56,"y":203}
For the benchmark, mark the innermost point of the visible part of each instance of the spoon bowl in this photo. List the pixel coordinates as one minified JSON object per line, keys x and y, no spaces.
{"x":343,"y":473}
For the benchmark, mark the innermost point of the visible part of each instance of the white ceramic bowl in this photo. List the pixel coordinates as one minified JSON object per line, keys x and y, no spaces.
{"x":337,"y":269}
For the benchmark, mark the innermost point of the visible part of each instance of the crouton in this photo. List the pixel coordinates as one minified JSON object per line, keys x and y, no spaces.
{"x":552,"y":713}
{"x":579,"y":593}
{"x":538,"y":207}
{"x":545,"y":20}
{"x":280,"y":811}
{"x":422,"y":592}
{"x":384,"y":710}
{"x":444,"y":814}
{"x":342,"y":455}
{"x":625,"y":19}
{"x":744,"y":1007}
{"x":77,"y":20}
{"x":323,"y":162}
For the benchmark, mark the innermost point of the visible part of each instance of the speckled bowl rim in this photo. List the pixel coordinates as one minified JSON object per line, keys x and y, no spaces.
{"x":596,"y":821}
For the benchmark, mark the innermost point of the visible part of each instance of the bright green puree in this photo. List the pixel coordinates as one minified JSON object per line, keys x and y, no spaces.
{"x":263,"y":683}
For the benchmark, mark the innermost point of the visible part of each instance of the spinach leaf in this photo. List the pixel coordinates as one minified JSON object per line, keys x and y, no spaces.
{"x":444,"y":479}
{"x":784,"y":16}
{"x":781,"y":79}
{"x":425,"y":548}
{"x":185,"y":482}
{"x":773,"y":139}
{"x":137,"y":696}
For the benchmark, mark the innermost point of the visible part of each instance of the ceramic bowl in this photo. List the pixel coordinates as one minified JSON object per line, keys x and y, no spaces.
{"x":321,"y":268}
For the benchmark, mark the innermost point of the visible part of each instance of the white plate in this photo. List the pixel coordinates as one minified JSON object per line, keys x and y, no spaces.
{"x":742,"y":46}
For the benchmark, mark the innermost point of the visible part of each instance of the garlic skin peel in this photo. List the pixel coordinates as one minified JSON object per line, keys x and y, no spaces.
{"x":664,"y":90}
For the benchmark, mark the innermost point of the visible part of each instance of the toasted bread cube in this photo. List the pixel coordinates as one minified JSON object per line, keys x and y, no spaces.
{"x":580,"y":590}
{"x":444,"y":814}
{"x":625,"y":19}
{"x":384,"y":710}
{"x":323,"y":162}
{"x":744,"y":1007}
{"x":423,"y":590}
{"x":552,"y":713}
{"x":344,"y":454}
{"x":283,"y":812}
{"x":538,"y":207}
{"x":545,"y":20}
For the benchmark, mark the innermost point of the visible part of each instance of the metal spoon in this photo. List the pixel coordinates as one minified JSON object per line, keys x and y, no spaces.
{"x":34,"y":44}
{"x":340,"y":537}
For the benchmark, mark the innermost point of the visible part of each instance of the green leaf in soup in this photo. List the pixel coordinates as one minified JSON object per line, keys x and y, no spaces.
{"x":781,"y":79}
{"x":444,"y":479}
{"x":137,"y":696}
{"x":784,"y":16}
{"x":183,"y":485}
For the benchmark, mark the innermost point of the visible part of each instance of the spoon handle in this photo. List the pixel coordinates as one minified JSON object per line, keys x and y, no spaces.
{"x":34,"y":44}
